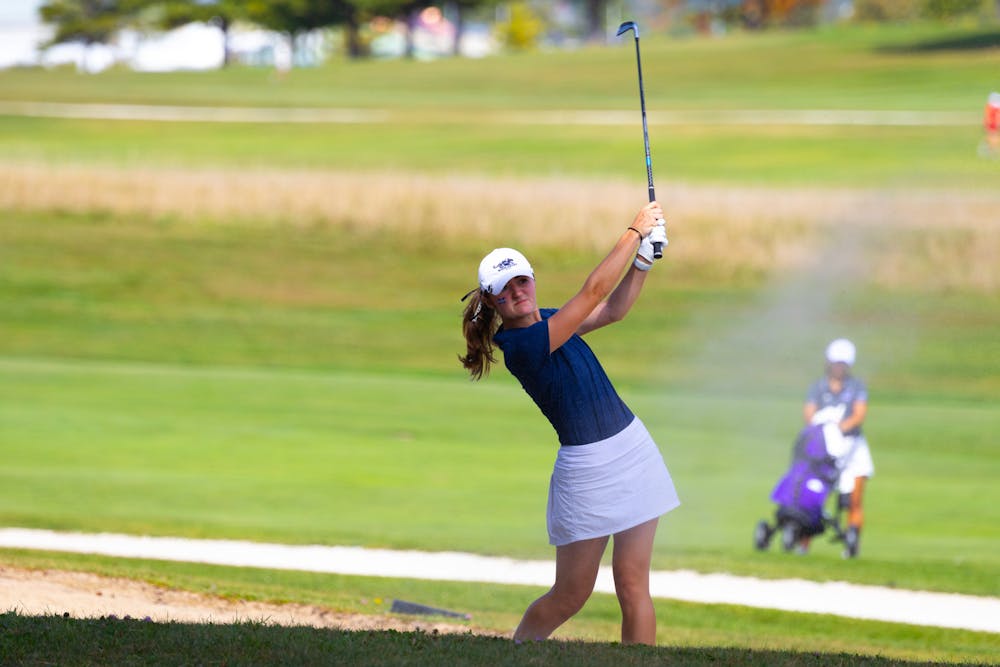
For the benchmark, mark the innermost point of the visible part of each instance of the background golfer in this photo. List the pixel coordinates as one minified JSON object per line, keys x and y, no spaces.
{"x":840,"y":398}
{"x":609,"y":478}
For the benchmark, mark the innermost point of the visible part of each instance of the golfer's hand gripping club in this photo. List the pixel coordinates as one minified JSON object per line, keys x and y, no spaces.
{"x":658,"y":238}
{"x":650,"y":245}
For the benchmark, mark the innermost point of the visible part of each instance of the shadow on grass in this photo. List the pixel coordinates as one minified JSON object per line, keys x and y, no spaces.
{"x":59,"y":639}
{"x":976,"y":42}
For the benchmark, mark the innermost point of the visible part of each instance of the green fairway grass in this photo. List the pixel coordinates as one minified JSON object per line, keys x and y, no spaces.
{"x":845,"y":67}
{"x":95,"y":642}
{"x":820,"y":156}
{"x":267,"y":384}
{"x":387,"y":461}
{"x":454,"y":115}
{"x":207,"y":362}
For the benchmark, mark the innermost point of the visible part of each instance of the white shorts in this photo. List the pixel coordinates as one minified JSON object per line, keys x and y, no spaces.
{"x":608,"y":486}
{"x":857,"y":463}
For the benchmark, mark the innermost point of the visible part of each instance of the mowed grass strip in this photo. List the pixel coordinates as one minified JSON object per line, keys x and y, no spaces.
{"x":903,"y":67}
{"x":455,"y":116}
{"x":806,"y":156}
{"x":95,"y":642}
{"x":690,"y":633}
{"x":430,"y":463}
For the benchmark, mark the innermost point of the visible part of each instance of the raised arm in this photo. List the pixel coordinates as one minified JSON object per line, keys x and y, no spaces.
{"x":588,"y":310}
{"x":618,"y":304}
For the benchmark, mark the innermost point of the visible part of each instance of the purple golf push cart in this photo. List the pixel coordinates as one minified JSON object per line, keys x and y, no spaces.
{"x":801,"y":496}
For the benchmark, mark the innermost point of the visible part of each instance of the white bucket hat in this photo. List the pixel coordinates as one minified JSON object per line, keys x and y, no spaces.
{"x":841,"y":350}
{"x":501,"y":265}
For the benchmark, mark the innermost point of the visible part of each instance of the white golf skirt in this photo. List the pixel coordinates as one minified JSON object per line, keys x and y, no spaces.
{"x":857,"y":463}
{"x":608,"y":486}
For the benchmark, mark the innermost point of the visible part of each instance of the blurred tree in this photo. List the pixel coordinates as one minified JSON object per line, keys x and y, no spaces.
{"x":408,"y":12}
{"x":522,"y":28}
{"x":755,"y":14}
{"x":84,"y":21}
{"x":461,"y":8}
{"x":943,"y":10}
{"x":792,"y":12}
{"x":907,"y":10}
{"x":404,"y":11}
{"x":596,"y":11}
{"x":886,"y":11}
{"x":222,"y":13}
{"x":296,"y":17}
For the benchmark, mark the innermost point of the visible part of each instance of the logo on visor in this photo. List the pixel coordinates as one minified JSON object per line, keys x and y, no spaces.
{"x":506,"y":264}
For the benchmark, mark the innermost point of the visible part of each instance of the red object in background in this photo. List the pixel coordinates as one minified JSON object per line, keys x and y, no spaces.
{"x":991,"y":117}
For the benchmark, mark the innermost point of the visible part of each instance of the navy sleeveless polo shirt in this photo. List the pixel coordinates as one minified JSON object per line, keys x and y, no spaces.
{"x":569,"y":386}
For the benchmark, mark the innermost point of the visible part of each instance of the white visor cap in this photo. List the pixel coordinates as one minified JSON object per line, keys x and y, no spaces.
{"x":500,"y":266}
{"x":841,"y":350}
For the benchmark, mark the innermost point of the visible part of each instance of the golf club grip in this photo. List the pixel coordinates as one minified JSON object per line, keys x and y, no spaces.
{"x":657,"y":245}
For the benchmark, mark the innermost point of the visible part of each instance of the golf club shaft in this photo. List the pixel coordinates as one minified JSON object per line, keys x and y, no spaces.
{"x":630,"y":25}
{"x":645,"y":126}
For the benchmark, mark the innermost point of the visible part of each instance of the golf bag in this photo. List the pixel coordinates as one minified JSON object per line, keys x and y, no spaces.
{"x":801,"y":495}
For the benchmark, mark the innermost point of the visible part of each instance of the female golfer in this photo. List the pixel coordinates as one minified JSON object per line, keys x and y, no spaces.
{"x":841,"y":398}
{"x":609,"y":478}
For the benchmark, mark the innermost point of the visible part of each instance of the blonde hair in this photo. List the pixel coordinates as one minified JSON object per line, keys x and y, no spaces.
{"x":479,"y":322}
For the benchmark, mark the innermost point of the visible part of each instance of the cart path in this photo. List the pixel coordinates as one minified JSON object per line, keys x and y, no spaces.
{"x":231,"y":114}
{"x":948,"y":610}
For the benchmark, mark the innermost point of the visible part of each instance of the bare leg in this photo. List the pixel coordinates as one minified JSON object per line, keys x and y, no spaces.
{"x":856,"y":516}
{"x":576,"y":572}
{"x":631,"y":558}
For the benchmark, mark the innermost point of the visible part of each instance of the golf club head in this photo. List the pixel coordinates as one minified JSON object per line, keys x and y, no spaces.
{"x":625,"y":27}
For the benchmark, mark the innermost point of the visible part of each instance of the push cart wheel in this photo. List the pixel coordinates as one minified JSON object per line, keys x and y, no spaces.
{"x":762,"y":535}
{"x":789,"y":536}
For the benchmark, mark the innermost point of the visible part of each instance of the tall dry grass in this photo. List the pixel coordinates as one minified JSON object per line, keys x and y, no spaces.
{"x":926,"y":240}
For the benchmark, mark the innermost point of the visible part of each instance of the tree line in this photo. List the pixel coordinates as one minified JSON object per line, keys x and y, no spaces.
{"x":96,"y":21}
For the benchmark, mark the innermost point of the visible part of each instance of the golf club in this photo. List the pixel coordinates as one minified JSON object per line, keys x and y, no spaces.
{"x":623,"y":28}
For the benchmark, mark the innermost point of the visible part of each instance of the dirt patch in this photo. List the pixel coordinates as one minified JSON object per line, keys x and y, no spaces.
{"x":84,"y":595}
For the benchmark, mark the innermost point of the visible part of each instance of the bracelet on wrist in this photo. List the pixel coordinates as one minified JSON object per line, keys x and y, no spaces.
{"x":641,"y":264}
{"x":637,"y":232}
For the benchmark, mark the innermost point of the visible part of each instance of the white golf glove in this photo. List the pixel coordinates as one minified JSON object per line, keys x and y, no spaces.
{"x":833,"y":414}
{"x":644,"y":259}
{"x":836,"y":444}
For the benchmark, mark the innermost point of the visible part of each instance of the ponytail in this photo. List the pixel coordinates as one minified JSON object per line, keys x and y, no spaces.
{"x":479,"y":323}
